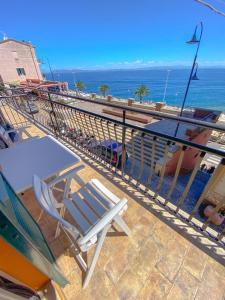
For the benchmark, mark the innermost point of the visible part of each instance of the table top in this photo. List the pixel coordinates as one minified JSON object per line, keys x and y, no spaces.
{"x":44,"y":157}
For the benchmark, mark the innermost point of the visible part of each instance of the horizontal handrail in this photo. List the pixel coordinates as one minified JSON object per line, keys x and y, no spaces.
{"x":161,"y":115}
{"x":12,"y":96}
{"x":218,"y":127}
{"x":146,"y":130}
{"x":135,"y":127}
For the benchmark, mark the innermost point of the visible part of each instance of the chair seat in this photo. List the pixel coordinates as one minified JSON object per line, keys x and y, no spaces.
{"x":88,"y":205}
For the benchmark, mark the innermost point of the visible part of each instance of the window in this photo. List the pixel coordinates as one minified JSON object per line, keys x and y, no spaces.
{"x":20,"y":71}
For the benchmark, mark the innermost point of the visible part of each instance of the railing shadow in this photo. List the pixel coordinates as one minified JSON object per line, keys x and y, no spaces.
{"x":187,"y":230}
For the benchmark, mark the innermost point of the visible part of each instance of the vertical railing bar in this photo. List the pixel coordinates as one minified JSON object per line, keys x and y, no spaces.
{"x":190,"y":181}
{"x":104,"y":138}
{"x":99,"y":139}
{"x":132,"y":154}
{"x":9,"y":106}
{"x":73,"y":125}
{"x":221,"y":234}
{"x":142,"y":157}
{"x":78,"y":126}
{"x":177,"y":172}
{"x":6,"y":112}
{"x":216,"y":174}
{"x":162,"y":170}
{"x":117,"y":147}
{"x":80,"y":131}
{"x":219,"y":205}
{"x":82,"y":122}
{"x":94,"y":150}
{"x":111,"y":150}
{"x":59,"y":115}
{"x":67,"y":121}
{"x":81,"y":126}
{"x":88,"y":136}
{"x":28,"y":103}
{"x":154,"y":140}
{"x":15,"y":107}
{"x":74,"y":122}
{"x":215,"y":210}
{"x":57,"y":132}
{"x":123,"y":142}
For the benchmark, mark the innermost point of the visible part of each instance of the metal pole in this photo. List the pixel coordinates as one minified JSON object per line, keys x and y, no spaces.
{"x":166,"y":84}
{"x":56,"y":125}
{"x":123,"y":142}
{"x":189,"y":80}
{"x":50,"y":70}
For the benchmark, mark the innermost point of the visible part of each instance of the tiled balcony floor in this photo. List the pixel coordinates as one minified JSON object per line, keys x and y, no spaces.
{"x":159,"y":260}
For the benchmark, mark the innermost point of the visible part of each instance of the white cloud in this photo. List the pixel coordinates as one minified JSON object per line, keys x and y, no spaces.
{"x":140,"y":63}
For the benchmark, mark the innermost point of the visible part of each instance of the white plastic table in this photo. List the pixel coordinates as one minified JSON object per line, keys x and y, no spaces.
{"x":44,"y":157}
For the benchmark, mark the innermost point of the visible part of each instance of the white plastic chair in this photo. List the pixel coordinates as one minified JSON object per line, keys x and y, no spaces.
{"x":94,"y":209}
{"x":5,"y":135}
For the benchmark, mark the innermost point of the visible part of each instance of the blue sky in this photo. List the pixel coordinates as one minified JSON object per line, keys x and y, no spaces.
{"x":95,"y":34}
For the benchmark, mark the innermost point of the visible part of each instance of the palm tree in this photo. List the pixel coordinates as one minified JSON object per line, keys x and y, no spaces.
{"x":80,"y":86}
{"x":142,"y":91}
{"x":104,"y":89}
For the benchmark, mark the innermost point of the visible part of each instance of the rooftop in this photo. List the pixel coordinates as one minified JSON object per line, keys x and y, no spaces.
{"x":16,"y":41}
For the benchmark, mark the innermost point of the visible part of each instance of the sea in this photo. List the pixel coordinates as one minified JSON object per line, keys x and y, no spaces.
{"x":207,"y":92}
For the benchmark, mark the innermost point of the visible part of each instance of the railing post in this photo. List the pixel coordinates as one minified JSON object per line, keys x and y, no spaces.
{"x":124,"y":142}
{"x":28,"y":103}
{"x":52,"y":112}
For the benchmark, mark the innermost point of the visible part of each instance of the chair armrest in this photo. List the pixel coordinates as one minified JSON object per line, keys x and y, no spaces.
{"x":68,"y":174}
{"x":108,"y":217}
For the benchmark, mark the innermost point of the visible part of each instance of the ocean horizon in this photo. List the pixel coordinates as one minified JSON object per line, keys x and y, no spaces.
{"x":207,"y":92}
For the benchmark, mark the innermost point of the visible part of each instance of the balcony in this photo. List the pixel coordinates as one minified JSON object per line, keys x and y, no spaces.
{"x":173,"y":251}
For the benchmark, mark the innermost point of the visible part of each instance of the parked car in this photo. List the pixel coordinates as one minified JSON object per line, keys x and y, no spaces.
{"x":109,"y":150}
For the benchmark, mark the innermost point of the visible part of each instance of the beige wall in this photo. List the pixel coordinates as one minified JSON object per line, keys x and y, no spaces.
{"x":16,"y":55}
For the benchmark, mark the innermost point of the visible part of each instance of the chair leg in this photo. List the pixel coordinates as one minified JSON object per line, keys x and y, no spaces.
{"x":40,"y":216}
{"x":62,"y":213}
{"x":122,"y":224}
{"x":95,"y":257}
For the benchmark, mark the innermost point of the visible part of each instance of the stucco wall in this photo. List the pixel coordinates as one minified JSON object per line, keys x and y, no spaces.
{"x":190,"y":155}
{"x":15,"y":55}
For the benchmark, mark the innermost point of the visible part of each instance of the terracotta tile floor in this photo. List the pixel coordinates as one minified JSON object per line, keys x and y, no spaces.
{"x":163,"y":258}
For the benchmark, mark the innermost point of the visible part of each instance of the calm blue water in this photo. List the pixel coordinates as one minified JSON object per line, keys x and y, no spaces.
{"x":208,"y":92}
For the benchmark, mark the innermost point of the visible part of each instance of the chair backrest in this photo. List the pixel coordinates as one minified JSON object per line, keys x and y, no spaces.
{"x":9,"y":136}
{"x":48,"y":204}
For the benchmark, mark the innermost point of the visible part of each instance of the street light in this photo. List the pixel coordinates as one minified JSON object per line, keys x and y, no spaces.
{"x":193,"y":74}
{"x":166,"y":84}
{"x":50,"y":69}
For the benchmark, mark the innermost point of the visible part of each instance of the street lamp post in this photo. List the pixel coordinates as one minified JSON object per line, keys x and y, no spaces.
{"x":194,"y":68}
{"x":50,"y":69}
{"x":166,"y":85}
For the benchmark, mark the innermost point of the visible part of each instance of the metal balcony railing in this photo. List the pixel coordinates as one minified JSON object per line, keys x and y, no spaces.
{"x":140,"y":156}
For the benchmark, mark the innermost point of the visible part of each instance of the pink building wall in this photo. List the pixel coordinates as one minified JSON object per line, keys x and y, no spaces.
{"x":190,"y":155}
